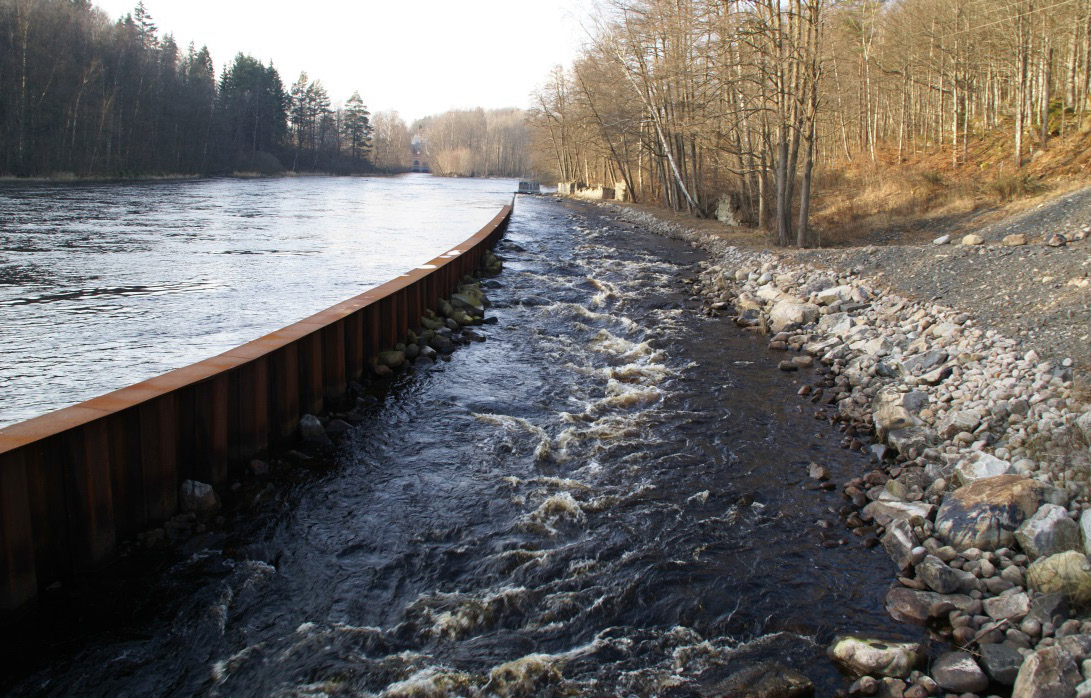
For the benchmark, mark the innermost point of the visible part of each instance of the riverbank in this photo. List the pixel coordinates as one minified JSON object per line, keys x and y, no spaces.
{"x":553,"y":512}
{"x":980,"y":440}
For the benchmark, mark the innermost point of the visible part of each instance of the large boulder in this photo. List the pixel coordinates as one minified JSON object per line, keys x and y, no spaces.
{"x":865,"y":656}
{"x":1011,"y":606}
{"x":1053,"y":672}
{"x":979,"y":466}
{"x":959,"y":673}
{"x":791,"y":313}
{"x":985,"y":513}
{"x":1048,"y":532}
{"x":1067,"y":573}
{"x":1001,"y":662}
{"x":913,"y":606}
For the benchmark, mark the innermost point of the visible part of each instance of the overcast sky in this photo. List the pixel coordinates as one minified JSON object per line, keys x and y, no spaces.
{"x":419,"y":57}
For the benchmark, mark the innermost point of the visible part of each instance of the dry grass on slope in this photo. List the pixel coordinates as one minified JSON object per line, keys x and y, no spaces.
{"x":925,"y":195}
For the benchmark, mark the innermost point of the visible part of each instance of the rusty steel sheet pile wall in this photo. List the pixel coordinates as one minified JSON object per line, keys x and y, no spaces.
{"x":76,"y":481}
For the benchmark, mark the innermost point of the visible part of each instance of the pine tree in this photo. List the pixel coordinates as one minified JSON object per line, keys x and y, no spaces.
{"x":356,"y":127}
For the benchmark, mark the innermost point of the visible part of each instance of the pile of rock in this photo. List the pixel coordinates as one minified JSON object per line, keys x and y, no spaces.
{"x":439,"y":332}
{"x":980,"y":494}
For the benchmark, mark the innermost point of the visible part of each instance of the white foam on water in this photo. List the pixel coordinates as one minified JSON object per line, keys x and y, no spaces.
{"x":525,"y":676}
{"x":223,"y":669}
{"x":456,"y":615}
{"x":544,"y":448}
{"x":607,"y":429}
{"x":639,"y":372}
{"x":623,"y":349}
{"x":700,"y":497}
{"x":581,"y":311}
{"x":432,"y":682}
{"x":606,"y":292}
{"x":564,"y":483}
{"x":553,"y":511}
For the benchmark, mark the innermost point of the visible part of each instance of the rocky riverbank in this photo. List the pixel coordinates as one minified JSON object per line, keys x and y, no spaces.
{"x":982,"y":463}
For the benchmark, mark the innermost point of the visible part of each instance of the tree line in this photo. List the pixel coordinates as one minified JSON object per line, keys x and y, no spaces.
{"x":476,"y":143}
{"x":699,"y":104}
{"x":85,"y":95}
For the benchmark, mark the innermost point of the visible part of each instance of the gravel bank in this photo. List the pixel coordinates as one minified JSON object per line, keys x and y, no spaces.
{"x":982,"y":443}
{"x":1037,"y":294}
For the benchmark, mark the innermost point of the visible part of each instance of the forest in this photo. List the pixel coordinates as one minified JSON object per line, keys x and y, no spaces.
{"x":477,"y":143}
{"x":704,"y":104}
{"x":82,"y":95}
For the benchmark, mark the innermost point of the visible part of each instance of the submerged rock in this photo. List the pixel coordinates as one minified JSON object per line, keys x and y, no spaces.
{"x":765,"y":680}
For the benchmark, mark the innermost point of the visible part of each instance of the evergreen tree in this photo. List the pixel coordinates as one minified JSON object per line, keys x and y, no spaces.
{"x":356,"y":126}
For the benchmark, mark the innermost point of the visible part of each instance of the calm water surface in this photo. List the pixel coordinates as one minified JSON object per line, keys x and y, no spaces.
{"x":105,"y":285}
{"x":608,"y":497}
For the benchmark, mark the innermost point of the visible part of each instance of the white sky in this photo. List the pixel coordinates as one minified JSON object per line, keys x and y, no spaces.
{"x":418,"y":57}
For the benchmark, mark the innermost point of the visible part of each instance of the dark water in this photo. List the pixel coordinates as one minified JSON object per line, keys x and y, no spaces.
{"x":105,"y":285}
{"x":608,"y":497}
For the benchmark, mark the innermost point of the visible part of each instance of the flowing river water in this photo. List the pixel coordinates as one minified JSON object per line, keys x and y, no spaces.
{"x":104,"y":285}
{"x":609,"y":496}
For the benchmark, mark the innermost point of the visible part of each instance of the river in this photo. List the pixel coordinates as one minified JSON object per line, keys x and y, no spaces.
{"x":103,"y":285}
{"x":609,"y":496}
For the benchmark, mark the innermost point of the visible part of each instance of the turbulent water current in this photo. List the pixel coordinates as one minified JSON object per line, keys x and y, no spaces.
{"x":607,"y":497}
